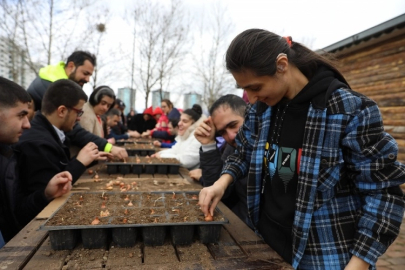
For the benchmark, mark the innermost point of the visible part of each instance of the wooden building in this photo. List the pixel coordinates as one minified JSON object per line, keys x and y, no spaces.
{"x":373,"y":62}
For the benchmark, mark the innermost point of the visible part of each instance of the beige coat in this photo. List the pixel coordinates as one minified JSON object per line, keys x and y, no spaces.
{"x":89,"y":120}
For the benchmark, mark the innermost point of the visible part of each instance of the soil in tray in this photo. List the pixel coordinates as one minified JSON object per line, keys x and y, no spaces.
{"x":148,"y":160}
{"x":129,"y":208}
{"x":143,"y":185}
{"x":136,"y":140}
{"x":140,"y":146}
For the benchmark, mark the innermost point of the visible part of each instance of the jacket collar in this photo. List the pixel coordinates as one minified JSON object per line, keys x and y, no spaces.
{"x":5,"y":150}
{"x":41,"y":120}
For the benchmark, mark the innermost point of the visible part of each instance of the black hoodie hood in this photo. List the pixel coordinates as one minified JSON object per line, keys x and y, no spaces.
{"x":318,"y":90}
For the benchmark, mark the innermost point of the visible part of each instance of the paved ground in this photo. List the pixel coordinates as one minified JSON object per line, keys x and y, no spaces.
{"x":394,"y":258}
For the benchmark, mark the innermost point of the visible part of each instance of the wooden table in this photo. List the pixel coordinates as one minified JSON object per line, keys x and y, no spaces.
{"x":239,"y":247}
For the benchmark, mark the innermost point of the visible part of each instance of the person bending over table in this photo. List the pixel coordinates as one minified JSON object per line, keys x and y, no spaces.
{"x":323,"y":176}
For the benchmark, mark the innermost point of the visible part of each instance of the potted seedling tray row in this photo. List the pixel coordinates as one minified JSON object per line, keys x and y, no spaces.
{"x":97,"y":218}
{"x":140,"y":149}
{"x":134,"y":141}
{"x":148,"y":165}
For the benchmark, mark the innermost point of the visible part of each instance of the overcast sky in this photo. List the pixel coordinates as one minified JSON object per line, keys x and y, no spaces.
{"x":323,"y":21}
{"x":315,"y":23}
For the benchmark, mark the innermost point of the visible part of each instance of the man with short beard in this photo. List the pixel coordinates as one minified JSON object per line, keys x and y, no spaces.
{"x":78,"y":68}
{"x":227,"y":116}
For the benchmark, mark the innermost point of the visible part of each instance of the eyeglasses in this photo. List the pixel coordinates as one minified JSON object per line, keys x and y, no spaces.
{"x":79,"y":112}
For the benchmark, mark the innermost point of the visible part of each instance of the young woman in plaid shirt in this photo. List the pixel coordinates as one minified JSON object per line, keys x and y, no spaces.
{"x":323,"y":176}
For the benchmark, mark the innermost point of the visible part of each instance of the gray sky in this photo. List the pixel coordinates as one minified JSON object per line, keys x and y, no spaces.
{"x":324,"y":21}
{"x":315,"y":23}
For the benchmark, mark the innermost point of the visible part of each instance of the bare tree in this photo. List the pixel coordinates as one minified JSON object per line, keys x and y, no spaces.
{"x":161,"y":37}
{"x":44,"y":30}
{"x":209,"y":67}
{"x":9,"y":29}
{"x":106,"y":55}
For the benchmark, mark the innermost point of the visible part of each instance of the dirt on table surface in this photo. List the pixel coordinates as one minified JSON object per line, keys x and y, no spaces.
{"x":193,"y":256}
{"x":106,"y":208}
{"x":168,"y":256}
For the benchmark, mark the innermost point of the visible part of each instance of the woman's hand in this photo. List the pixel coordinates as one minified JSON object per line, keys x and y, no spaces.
{"x":356,"y":263}
{"x":210,"y":196}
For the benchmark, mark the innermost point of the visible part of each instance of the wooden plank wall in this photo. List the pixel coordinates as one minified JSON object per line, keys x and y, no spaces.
{"x":378,"y":71}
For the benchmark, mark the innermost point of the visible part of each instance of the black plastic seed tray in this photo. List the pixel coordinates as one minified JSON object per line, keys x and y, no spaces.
{"x":140,"y":149}
{"x":138,"y":165}
{"x":140,"y":152}
{"x":134,"y":141}
{"x":132,"y":215}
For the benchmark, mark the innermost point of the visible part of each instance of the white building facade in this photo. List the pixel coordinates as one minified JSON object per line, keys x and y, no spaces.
{"x":12,"y":65}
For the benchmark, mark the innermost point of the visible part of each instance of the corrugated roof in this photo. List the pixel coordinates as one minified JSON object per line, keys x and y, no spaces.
{"x":374,"y":32}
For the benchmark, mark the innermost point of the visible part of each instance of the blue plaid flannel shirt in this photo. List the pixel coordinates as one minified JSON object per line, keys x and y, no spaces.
{"x":348,"y":199}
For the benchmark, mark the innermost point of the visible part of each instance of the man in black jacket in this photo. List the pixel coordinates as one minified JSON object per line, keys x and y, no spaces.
{"x":46,"y":141}
{"x":78,"y":68}
{"x":142,"y":122}
{"x":227,"y":115}
{"x":13,"y":120}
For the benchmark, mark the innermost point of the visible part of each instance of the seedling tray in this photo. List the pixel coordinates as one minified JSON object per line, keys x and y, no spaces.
{"x":138,"y":165}
{"x":154,"y":216}
{"x":140,"y":149}
{"x":135,"y":141}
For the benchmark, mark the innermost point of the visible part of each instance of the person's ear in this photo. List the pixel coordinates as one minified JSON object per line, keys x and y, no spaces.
{"x":70,"y":67}
{"x":282,"y":63}
{"x":62,"y":111}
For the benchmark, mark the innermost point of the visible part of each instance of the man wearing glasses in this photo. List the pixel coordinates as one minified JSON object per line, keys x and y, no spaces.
{"x":43,"y":150}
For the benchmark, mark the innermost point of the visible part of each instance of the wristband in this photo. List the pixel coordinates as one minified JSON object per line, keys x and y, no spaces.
{"x":108,"y":147}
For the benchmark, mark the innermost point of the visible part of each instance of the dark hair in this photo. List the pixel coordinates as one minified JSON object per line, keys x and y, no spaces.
{"x":99,"y":93}
{"x":257,"y":50}
{"x":174,"y":122}
{"x":62,"y":92}
{"x":78,"y":58}
{"x":113,"y":112}
{"x":237,"y":104}
{"x":120,"y":103}
{"x":168,"y":102}
{"x":195,"y":112}
{"x":11,"y":93}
